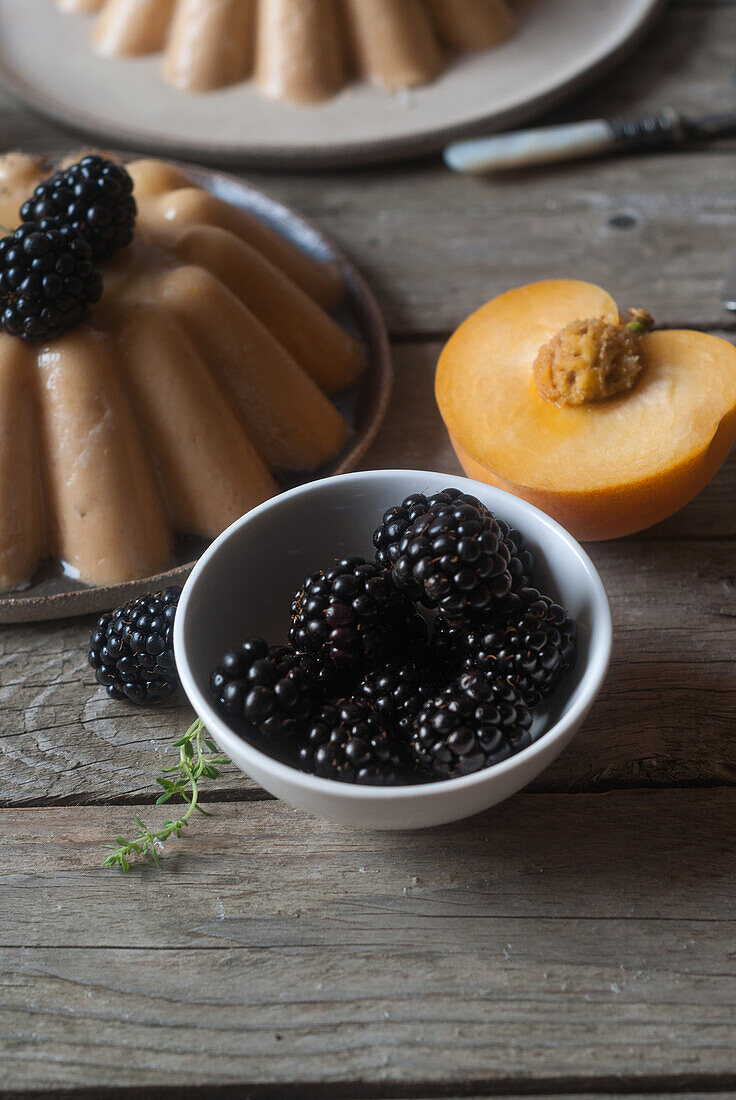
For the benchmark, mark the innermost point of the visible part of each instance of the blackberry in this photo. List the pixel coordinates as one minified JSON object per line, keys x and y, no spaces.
{"x":521,"y":560}
{"x":396,"y":522}
{"x":353,"y":618}
{"x":397,"y":693}
{"x":131,"y":649}
{"x":394,"y":525}
{"x":47,"y":281}
{"x":475,"y":722}
{"x":347,"y":741}
{"x":453,"y":556}
{"x":94,"y":198}
{"x":273,"y":688}
{"x":534,"y":644}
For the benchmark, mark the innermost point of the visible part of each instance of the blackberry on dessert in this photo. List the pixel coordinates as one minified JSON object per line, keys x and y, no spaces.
{"x":47,"y":281}
{"x":131,"y":648}
{"x":348,"y":742}
{"x":454,"y":556}
{"x":477,"y":721}
{"x":353,"y":618}
{"x":533,"y":644}
{"x":272,"y":687}
{"x":94,"y":198}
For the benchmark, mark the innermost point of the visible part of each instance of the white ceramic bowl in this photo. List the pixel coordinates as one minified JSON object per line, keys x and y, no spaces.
{"x":242,"y":587}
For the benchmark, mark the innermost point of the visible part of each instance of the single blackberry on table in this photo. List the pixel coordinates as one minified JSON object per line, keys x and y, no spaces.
{"x":347,"y":741}
{"x":396,"y":694}
{"x":47,"y":281}
{"x":475,"y":722}
{"x":131,"y":648}
{"x":272,"y":687}
{"x":533,"y":644}
{"x":453,"y":556}
{"x":353,"y":618}
{"x":94,"y":198}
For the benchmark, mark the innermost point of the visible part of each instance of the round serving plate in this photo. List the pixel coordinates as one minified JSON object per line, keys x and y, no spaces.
{"x":45,"y":59}
{"x":57,"y":596}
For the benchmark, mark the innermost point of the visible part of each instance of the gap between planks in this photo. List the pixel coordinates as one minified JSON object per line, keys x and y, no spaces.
{"x":483,"y":952}
{"x":655,"y":1087}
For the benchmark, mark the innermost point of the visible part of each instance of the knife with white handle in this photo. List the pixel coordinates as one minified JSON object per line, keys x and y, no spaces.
{"x":595,"y":137}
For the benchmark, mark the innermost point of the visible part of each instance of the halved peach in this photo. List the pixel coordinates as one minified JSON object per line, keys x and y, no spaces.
{"x":603,"y":469}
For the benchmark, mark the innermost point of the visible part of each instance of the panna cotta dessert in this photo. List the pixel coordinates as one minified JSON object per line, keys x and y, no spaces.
{"x":159,"y":369}
{"x":298,"y":51}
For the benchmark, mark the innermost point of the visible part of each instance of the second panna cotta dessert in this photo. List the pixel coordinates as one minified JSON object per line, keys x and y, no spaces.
{"x":550,"y":392}
{"x":165,"y":358}
{"x":297,"y":51}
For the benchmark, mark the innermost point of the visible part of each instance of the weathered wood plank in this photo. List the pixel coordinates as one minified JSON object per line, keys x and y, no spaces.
{"x":671,"y":697}
{"x":655,"y":230}
{"x":554,"y":938}
{"x":665,"y":716}
{"x":435,"y":246}
{"x":659,"y":855}
{"x":386,"y":1091}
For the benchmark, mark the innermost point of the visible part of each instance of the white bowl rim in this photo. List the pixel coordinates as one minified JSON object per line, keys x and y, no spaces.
{"x":588,"y":688}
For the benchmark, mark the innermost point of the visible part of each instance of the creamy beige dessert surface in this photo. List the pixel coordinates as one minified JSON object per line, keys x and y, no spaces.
{"x":301,"y":53}
{"x":131,"y":28}
{"x":210,"y":44}
{"x":395,"y":43}
{"x":297,"y":51}
{"x":199,"y":377}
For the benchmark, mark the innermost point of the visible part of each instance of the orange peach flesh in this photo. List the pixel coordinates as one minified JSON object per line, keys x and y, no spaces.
{"x":603,"y":471}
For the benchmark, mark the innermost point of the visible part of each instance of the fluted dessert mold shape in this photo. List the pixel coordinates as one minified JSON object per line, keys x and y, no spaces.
{"x":201,"y":376}
{"x":297,"y":51}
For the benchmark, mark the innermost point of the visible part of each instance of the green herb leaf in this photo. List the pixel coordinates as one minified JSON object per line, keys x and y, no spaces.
{"x":193,"y":764}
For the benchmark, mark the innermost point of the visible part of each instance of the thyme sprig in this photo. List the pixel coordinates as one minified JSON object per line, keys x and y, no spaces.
{"x":181,"y":780}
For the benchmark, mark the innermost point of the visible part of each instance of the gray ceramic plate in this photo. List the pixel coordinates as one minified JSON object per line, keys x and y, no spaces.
{"x":46,"y":60}
{"x":56,"y":597}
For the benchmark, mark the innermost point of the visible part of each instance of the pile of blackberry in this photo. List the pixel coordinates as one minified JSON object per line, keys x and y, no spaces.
{"x":371,"y":690}
{"x":77,"y":218}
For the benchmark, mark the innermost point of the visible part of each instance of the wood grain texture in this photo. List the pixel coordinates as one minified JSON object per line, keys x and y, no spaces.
{"x":477,"y":949}
{"x":435,"y":246}
{"x":564,"y":943}
{"x":670,"y":697}
{"x":654,"y":229}
{"x":665,"y":716}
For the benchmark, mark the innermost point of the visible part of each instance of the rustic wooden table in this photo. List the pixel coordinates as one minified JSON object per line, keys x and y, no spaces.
{"x":578,"y":939}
